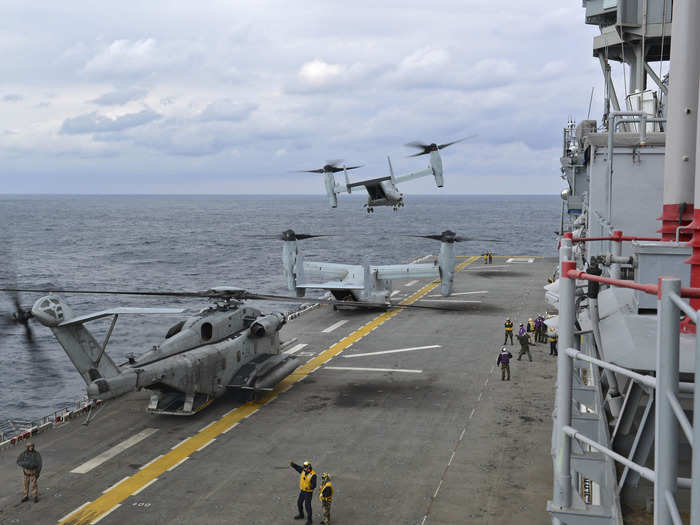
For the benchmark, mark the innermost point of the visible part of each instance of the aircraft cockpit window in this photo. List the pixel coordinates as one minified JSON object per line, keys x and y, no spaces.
{"x":207,"y":331}
{"x":175,"y":329}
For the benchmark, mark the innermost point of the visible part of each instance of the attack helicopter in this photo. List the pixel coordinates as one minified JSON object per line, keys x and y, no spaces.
{"x":383,"y":191}
{"x":353,"y":284}
{"x":228,"y":345}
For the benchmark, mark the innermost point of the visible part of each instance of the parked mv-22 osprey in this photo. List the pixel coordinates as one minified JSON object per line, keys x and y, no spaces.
{"x":367,"y":284}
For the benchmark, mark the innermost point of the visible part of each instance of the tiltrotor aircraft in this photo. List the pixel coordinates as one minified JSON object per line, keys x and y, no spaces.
{"x":354,"y":283}
{"x":383,"y":191}
{"x":226,"y":346}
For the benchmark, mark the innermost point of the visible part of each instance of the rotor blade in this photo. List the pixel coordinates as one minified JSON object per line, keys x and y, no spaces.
{"x":437,"y":237}
{"x":419,"y":154}
{"x":456,"y":141}
{"x":320,"y":170}
{"x":357,"y":304}
{"x":28,"y":333}
{"x":310,"y":236}
{"x":354,"y":167}
{"x":416,"y":144}
{"x":118,"y":292}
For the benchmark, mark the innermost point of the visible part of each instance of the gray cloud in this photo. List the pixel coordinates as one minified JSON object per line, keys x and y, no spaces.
{"x":96,"y":123}
{"x":227,"y":110}
{"x":118,"y":98}
{"x":12,"y":97}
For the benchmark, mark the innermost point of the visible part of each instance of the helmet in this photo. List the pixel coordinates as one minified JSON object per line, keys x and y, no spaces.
{"x":504,"y":349}
{"x":530,"y":319}
{"x":325,"y":475}
{"x":30,"y":444}
{"x":307,"y":464}
{"x":521,"y":324}
{"x":507,"y":318}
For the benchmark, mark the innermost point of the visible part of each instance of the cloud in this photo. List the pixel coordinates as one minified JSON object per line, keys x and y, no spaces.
{"x":118,"y":98}
{"x":12,"y":97}
{"x":227,"y":110}
{"x":96,"y":123}
{"x":317,"y":72}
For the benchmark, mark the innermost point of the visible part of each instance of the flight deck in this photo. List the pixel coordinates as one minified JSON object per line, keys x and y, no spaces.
{"x":404,"y":408}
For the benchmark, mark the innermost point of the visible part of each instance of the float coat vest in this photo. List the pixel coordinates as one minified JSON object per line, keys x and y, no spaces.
{"x":552,"y":336}
{"x":509,"y":326}
{"x":329,"y":485}
{"x":305,"y":481}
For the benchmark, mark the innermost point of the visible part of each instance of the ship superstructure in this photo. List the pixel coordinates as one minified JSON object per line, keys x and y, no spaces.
{"x":622,"y":435}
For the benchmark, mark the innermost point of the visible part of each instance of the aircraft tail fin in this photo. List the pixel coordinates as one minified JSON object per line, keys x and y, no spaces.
{"x":391,"y":170}
{"x":86,"y":354}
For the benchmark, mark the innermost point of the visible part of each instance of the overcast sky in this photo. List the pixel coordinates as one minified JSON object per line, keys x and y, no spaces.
{"x":229,"y":97}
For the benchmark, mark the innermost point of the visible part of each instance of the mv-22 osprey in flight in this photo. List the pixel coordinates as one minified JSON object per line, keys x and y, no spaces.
{"x":383,"y":191}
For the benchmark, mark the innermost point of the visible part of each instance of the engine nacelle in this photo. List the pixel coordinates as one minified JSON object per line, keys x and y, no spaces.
{"x":329,"y":180}
{"x":267,"y":324}
{"x":446,"y":262}
{"x":436,"y":166}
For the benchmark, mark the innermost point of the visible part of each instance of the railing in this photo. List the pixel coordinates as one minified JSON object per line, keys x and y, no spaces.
{"x":669,"y":413}
{"x":14,"y":432}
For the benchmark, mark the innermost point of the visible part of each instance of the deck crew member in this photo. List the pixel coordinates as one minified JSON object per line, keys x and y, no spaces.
{"x":490,"y":257}
{"x":307,"y":484}
{"x":553,"y":342}
{"x":326,"y":497}
{"x":521,"y":329}
{"x":524,"y":347}
{"x":485,"y":255}
{"x":30,"y":463}
{"x":509,"y":330}
{"x":504,"y":358}
{"x":531,"y":330}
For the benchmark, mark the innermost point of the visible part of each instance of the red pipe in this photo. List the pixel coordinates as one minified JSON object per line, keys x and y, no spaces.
{"x":651,"y":289}
{"x":616,"y":238}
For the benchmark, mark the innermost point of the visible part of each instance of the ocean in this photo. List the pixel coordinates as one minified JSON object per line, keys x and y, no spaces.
{"x":174,"y":242}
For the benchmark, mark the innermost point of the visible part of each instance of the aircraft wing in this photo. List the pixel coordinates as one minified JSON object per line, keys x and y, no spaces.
{"x":400,"y":271}
{"x":414,"y":175}
{"x":373,"y":187}
{"x":324,"y":270}
{"x":120,"y":310}
{"x":332,"y":285}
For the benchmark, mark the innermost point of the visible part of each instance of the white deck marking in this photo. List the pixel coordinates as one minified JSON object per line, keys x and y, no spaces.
{"x":230,"y":428}
{"x":137,"y":492}
{"x":406,"y":370}
{"x":206,"y":427}
{"x":178,"y":444}
{"x":295,"y":349}
{"x":472,"y":414}
{"x":520,"y":260}
{"x":446,"y":300}
{"x":178,"y":463}
{"x":410,"y":283}
{"x":334,"y":326}
{"x":206,"y":445}
{"x":64,"y":518}
{"x":117,"y":483}
{"x":437,"y":489}
{"x":106,"y":514}
{"x":393,"y":351}
{"x":458,"y":293}
{"x":116,"y":449}
{"x":151,"y":462}
{"x":394,"y":293}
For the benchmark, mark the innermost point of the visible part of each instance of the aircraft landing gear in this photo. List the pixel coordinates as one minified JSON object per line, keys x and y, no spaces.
{"x":370,"y":210}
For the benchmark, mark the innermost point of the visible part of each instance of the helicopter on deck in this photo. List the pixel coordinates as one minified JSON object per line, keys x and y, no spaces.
{"x":228,"y":345}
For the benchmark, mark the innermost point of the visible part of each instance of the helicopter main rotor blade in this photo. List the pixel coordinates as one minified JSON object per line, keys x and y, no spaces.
{"x":441,"y":146}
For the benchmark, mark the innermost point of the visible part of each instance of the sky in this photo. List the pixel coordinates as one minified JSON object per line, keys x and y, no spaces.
{"x":222,"y":97}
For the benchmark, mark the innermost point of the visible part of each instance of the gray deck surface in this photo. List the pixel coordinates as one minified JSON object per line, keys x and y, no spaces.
{"x":453,"y":442}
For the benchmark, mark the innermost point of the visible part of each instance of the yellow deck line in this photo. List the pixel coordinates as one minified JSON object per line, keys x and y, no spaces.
{"x":117,"y":494}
